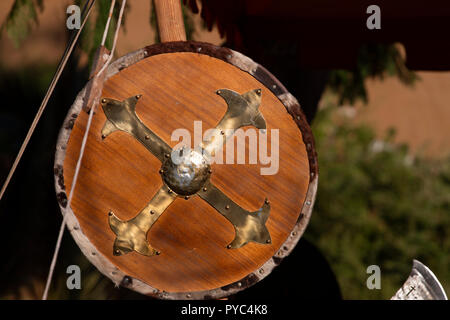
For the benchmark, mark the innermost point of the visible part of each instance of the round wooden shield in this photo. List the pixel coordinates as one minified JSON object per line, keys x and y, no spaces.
{"x":196,"y":247}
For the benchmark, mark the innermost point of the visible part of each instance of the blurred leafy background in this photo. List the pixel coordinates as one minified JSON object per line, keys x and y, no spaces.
{"x":377,"y":202}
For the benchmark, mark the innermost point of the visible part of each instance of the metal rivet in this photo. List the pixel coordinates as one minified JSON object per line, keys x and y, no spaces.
{"x":117,"y":251}
{"x":145,"y":53}
{"x":261,"y":271}
{"x":161,"y":171}
{"x":210,"y":171}
{"x":139,"y":96}
{"x":229,"y":246}
{"x":227,"y":207}
{"x":298,"y":118}
{"x":127,"y":280}
{"x":218,"y":92}
{"x":188,"y":296}
{"x":186,"y":197}
{"x":239,"y":284}
{"x":103,"y":100}
{"x":308,"y":202}
{"x":170,"y":191}
{"x":312,"y":174}
{"x":110,"y":213}
{"x":205,"y":189}
{"x":258,"y":91}
{"x":199,"y":49}
{"x":152,"y":212}
{"x":147,"y":137}
{"x":254,"y":70}
{"x":294,"y":233}
{"x":75,"y":228}
{"x":158,"y":253}
{"x":222,"y":132}
{"x":93,"y":253}
{"x":268,"y":241}
{"x":274,"y":86}
{"x":229,"y":56}
{"x":167,"y":155}
{"x":267,"y":201}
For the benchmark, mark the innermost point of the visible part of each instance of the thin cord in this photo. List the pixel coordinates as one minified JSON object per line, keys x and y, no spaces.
{"x":80,"y":158}
{"x":44,"y":103}
{"x":116,"y":35}
{"x":105,"y":33}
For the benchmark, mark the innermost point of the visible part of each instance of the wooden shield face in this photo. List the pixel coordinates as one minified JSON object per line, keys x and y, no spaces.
{"x":120,"y":175}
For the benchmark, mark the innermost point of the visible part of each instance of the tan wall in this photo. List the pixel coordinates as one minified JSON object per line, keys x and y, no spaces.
{"x":420,"y":114}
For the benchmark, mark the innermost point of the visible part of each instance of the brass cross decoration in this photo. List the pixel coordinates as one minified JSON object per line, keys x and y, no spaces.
{"x":187,"y":174}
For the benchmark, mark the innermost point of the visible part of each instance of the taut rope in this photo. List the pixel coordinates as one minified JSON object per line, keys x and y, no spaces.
{"x":84,"y":142}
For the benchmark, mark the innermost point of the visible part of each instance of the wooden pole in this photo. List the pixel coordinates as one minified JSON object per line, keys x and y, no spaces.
{"x":170,"y":20}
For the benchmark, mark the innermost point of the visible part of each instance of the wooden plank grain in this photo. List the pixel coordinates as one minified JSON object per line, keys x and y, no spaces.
{"x":119,"y":174}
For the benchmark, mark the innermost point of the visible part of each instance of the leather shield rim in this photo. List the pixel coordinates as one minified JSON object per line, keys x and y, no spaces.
{"x":262,"y":75}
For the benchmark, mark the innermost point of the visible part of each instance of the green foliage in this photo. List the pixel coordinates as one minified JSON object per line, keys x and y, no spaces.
{"x":92,"y":34}
{"x":374,"y":60}
{"x":24,"y":13}
{"x":20,"y":19}
{"x":376,"y":205}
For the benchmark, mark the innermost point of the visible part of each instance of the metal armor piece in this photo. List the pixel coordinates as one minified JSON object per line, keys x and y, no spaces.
{"x":187,"y":175}
{"x":242,"y":111}
{"x":186,"y":172}
{"x":122,"y":116}
{"x":421,"y":284}
{"x":132,"y":234}
{"x":249,"y":226}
